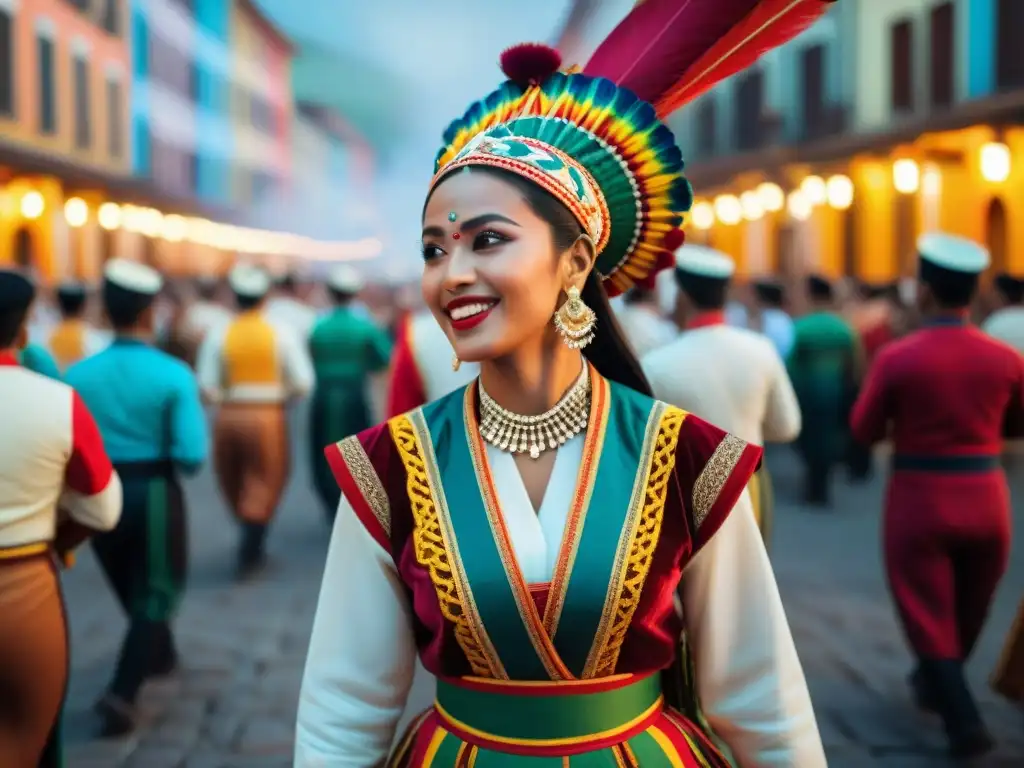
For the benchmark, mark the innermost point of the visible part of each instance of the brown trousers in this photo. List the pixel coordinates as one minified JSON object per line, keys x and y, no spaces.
{"x":251,"y":456}
{"x":33,"y":658}
{"x":1008,"y":678}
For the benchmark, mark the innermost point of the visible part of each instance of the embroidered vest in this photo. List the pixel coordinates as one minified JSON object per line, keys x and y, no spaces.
{"x":654,"y":484}
{"x":250,"y":353}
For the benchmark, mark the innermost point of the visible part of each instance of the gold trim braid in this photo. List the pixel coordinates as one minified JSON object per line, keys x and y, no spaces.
{"x":365,"y":477}
{"x":714,"y":476}
{"x":433,"y":549}
{"x":640,"y":537}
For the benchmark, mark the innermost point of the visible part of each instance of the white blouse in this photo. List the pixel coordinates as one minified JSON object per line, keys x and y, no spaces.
{"x":362,"y":657}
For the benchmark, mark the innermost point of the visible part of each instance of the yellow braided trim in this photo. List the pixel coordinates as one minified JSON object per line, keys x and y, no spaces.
{"x":660,"y":463}
{"x":430,"y":548}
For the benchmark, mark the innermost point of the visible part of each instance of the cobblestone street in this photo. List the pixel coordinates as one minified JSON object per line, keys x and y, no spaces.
{"x":243,"y":647}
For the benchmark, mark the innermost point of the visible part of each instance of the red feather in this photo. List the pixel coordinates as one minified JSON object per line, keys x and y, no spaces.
{"x":670,"y":51}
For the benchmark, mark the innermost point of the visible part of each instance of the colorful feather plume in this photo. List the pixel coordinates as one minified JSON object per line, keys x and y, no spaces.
{"x":669,"y":52}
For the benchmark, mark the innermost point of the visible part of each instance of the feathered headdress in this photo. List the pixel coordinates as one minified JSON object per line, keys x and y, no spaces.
{"x":595,"y":139}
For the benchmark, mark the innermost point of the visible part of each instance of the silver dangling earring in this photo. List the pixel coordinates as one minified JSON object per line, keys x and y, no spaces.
{"x":575,"y":321}
{"x":456,"y":363}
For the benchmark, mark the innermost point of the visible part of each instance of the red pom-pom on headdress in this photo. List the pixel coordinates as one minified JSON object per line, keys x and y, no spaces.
{"x":530,"y":63}
{"x":674,"y":239}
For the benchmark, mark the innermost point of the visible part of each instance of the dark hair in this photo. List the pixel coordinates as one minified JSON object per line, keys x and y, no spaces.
{"x":288,"y":282}
{"x":951,"y":289}
{"x":819,"y":288}
{"x":705,"y":293}
{"x":609,"y":351}
{"x":245,"y":303}
{"x":16,"y":296}
{"x":207,"y":289}
{"x":341,"y":297}
{"x":639,"y":296}
{"x":71,"y":302}
{"x":124,"y":307}
{"x":1011,"y":288}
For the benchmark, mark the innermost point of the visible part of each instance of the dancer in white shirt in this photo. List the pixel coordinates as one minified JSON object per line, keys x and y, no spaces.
{"x":732,"y":376}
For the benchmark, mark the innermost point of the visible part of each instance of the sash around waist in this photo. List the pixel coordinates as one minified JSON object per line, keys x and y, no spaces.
{"x":525,"y":717}
{"x":902,"y":462}
{"x":133,"y":470}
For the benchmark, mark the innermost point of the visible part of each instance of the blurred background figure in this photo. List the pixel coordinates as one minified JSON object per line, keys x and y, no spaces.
{"x":289,"y":307}
{"x":732,"y":376}
{"x":205,"y":314}
{"x":645,"y":327}
{"x":73,"y":337}
{"x":1006,"y":322}
{"x":943,"y":569}
{"x":772,"y":318}
{"x":825,"y":366}
{"x":346,"y":349}
{"x":252,"y":369}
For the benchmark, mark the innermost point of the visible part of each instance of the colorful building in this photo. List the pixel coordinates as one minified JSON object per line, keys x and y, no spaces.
{"x":261,"y":108}
{"x":887,"y":119}
{"x":64,"y":89}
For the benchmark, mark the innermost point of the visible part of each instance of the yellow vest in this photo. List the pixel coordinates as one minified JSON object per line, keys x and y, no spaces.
{"x":250,"y":352}
{"x":67,"y":342}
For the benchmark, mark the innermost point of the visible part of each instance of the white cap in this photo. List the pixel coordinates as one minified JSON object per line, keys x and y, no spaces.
{"x":705,"y":262}
{"x":345,"y":279}
{"x":133,"y":276}
{"x":957,"y":254}
{"x":248,"y":281}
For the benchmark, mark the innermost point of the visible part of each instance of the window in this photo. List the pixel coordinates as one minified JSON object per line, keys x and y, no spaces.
{"x":111,"y":17}
{"x":943,"y":54}
{"x":47,"y":86}
{"x":707,"y":126}
{"x":902,"y":49}
{"x":82,"y":5}
{"x":1009,"y":61}
{"x":6,"y":64}
{"x":749,"y":109}
{"x":812,"y":66}
{"x":83,"y":130}
{"x":115,"y":119}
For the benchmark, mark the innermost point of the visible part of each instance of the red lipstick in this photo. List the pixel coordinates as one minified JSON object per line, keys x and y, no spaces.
{"x":478,"y":307}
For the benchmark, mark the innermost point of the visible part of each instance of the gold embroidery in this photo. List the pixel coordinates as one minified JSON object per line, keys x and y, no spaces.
{"x":714,"y":476}
{"x":633,"y":562}
{"x":366,"y":480}
{"x":431,"y":548}
{"x":541,"y":642}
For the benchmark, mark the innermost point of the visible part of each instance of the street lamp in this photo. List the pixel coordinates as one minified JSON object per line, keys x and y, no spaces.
{"x":76,"y":212}
{"x":702,"y":215}
{"x":906,"y":176}
{"x":994,"y":159}
{"x":728,"y":209}
{"x":839,"y":192}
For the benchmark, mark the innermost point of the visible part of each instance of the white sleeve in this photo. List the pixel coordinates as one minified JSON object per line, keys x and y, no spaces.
{"x":782,"y":418}
{"x":296,"y":364}
{"x":99,"y":511}
{"x":208,"y":364}
{"x":749,"y":679}
{"x":361,"y":656}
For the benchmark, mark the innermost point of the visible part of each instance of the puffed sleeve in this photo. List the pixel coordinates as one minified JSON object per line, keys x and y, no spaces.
{"x":748,"y":675}
{"x":361,"y":657}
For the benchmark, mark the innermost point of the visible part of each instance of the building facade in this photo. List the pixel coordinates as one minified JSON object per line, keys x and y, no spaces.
{"x":887,"y":119}
{"x":64,"y":90}
{"x":261,"y":108}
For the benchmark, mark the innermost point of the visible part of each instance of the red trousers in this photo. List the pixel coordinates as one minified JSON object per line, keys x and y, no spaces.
{"x":947,"y":542}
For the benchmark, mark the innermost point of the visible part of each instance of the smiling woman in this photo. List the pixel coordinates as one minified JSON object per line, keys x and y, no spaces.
{"x":544,"y":537}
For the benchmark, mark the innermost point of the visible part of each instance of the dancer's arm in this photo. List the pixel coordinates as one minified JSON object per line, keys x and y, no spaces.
{"x":749,"y":679}
{"x":361,"y":657}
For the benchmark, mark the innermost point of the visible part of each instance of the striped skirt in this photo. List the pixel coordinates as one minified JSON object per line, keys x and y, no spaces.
{"x":617,"y":721}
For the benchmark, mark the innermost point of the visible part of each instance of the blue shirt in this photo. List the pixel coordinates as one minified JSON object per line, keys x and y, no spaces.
{"x":36,"y":359}
{"x":145,"y":402}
